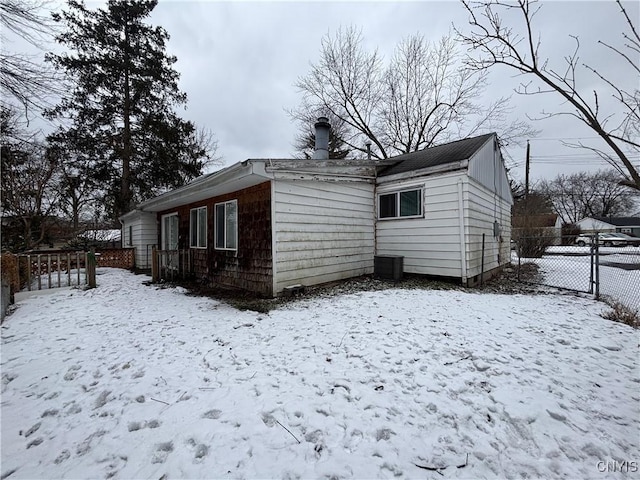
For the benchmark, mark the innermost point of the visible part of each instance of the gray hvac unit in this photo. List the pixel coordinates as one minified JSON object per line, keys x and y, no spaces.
{"x":389,"y":267}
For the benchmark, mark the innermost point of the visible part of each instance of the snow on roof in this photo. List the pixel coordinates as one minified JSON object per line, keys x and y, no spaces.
{"x":102,"y":235}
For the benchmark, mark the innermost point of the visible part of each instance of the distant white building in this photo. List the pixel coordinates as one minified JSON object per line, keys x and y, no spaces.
{"x":628,"y":225}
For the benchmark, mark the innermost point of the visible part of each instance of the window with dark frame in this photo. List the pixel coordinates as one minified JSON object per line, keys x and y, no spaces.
{"x":407,"y":203}
{"x":198,"y":230}
{"x":226,"y":225}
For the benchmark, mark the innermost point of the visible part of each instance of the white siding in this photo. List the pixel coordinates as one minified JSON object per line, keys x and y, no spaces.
{"x":324,"y":231}
{"x":486,"y":167}
{"x":482,"y":209}
{"x":144,"y":234}
{"x":429,"y":245}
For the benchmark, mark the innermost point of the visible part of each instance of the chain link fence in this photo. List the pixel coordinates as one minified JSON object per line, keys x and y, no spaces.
{"x":593,"y":266}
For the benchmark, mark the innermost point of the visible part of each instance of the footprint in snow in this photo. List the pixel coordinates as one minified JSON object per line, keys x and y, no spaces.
{"x":64,"y":455}
{"x":35,"y":443}
{"x":8,"y":377}
{"x":213,"y":414}
{"x":72,"y":373}
{"x":557,"y":416}
{"x":135,"y":426}
{"x":73,"y":409}
{"x":268,"y":419}
{"x":102,"y":399}
{"x":200,"y":450}
{"x":85,"y":446}
{"x":32,"y":430}
{"x":162,"y":452}
{"x":384,"y":434}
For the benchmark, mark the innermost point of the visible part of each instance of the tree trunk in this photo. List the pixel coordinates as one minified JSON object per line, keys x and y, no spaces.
{"x":126,"y":195}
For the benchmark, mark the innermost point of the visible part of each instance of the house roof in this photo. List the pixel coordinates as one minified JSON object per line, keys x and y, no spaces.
{"x":440,"y":155}
{"x":620,"y":221}
{"x":252,"y":172}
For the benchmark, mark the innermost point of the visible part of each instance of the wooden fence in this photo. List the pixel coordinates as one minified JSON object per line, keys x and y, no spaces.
{"x":116,"y":257}
{"x":40,"y":271}
{"x":53,"y":269}
{"x":171,"y":264}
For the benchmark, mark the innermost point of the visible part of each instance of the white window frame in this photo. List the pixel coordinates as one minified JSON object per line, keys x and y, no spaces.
{"x":397,"y":194}
{"x":198,"y":227}
{"x":215,"y":226}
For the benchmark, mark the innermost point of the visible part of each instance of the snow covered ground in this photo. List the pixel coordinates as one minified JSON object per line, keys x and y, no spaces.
{"x":132,"y":381}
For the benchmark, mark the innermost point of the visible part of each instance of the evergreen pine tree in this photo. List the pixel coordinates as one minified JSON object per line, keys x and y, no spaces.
{"x":122,"y":109}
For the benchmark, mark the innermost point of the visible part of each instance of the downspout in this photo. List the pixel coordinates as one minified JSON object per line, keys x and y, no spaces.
{"x":463,"y":250}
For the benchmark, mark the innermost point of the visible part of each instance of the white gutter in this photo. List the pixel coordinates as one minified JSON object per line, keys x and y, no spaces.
{"x":324,"y":174}
{"x":199,"y":189}
{"x":463,"y":250}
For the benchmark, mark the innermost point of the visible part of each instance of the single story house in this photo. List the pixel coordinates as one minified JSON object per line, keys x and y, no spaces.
{"x":267,"y":224}
{"x":628,"y":225}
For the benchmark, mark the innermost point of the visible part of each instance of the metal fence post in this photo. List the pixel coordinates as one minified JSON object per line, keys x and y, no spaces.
{"x":482,"y":261}
{"x":597,"y":260}
{"x":592,"y":260}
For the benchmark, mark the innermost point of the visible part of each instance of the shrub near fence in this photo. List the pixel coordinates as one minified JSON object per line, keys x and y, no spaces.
{"x":9,"y":266}
{"x":10,"y":282}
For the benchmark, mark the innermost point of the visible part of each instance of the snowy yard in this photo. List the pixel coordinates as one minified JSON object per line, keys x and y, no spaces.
{"x":131,"y":381}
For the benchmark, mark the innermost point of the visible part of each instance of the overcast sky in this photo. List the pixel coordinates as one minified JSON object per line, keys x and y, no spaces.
{"x":239,"y":61}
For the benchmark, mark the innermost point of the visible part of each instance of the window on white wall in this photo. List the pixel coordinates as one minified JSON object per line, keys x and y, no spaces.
{"x":198,"y":230}
{"x":226,"y":225}
{"x":407,"y":203}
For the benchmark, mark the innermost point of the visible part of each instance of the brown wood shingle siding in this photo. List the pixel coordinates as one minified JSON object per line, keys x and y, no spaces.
{"x":250,"y":267}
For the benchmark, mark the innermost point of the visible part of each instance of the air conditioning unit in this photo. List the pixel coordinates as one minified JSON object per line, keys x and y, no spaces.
{"x":388,"y":267}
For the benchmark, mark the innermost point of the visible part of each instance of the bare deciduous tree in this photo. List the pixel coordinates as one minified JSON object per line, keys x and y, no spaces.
{"x":586,"y":194}
{"x":24,"y":78}
{"x":422,"y":97}
{"x":495,"y":42}
{"x":28,"y":174}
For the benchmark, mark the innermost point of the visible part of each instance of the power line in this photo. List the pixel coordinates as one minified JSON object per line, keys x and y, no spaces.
{"x":564,"y":138}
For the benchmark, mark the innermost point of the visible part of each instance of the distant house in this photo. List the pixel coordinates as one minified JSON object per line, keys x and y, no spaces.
{"x":628,"y":225}
{"x":266,"y":224}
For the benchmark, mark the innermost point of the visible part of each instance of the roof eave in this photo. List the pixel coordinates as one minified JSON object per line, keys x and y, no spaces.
{"x":423,"y":172}
{"x":200,"y":190}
